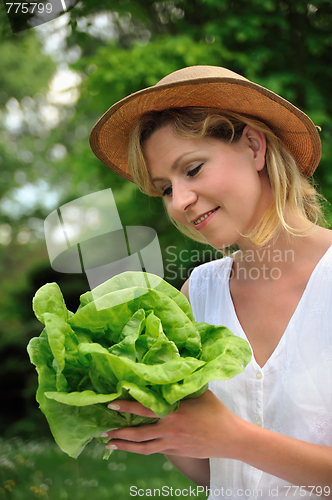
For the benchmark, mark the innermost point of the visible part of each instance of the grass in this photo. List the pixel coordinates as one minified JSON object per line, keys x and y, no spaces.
{"x":31,"y":470}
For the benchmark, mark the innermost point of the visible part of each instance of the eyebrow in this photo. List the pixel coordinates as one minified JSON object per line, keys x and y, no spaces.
{"x":174,"y":165}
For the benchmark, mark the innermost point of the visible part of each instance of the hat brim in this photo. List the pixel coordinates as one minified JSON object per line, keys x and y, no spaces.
{"x":109,"y":137}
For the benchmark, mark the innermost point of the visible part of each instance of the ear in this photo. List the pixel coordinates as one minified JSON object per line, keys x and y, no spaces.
{"x":256,"y":141}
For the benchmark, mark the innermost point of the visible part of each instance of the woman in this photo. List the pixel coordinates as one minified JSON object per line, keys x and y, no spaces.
{"x":232,"y":161}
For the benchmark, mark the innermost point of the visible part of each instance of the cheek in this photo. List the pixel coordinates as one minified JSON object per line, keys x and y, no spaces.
{"x":175,"y":214}
{"x":240,"y":197}
{"x":168,"y":207}
{"x":252,"y":205}
{"x":178,"y":217}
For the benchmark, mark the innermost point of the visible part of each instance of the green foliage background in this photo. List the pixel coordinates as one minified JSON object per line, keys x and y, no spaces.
{"x":283,"y":45}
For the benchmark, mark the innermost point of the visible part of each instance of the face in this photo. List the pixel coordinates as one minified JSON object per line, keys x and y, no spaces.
{"x":217,"y":189}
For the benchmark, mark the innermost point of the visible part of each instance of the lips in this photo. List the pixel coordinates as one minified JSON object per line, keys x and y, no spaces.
{"x":203,"y":216}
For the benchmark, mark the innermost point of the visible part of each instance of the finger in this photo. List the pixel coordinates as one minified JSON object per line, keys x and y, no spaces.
{"x":150,"y":447}
{"x":131,"y":407}
{"x":145,"y":448}
{"x":137,"y":434}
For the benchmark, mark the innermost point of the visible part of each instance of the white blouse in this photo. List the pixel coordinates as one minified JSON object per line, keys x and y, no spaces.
{"x":291,"y":394}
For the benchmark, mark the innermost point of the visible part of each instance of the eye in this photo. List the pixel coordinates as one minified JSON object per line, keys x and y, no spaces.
{"x":190,"y":173}
{"x":167,"y":191}
{"x":194,"y":171}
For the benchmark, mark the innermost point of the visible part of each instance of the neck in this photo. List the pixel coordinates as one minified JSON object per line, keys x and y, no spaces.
{"x":271,"y":261}
{"x":277,"y":258}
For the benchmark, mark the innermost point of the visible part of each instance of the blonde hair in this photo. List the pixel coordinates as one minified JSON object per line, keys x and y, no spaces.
{"x":287,"y":182}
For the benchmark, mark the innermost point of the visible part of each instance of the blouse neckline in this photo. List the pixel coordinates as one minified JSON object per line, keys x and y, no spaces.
{"x":284,"y":336}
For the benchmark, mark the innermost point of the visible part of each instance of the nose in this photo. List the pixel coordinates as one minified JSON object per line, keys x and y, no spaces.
{"x":183,"y":196}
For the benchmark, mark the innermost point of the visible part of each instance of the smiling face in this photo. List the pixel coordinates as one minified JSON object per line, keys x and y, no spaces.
{"x":221,"y":190}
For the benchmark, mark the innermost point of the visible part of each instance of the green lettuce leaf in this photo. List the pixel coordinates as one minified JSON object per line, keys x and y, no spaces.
{"x":133,"y":337}
{"x":49,"y":300}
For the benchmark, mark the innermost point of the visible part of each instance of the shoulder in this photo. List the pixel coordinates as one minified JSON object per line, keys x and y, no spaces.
{"x":215,"y":268}
{"x":185,"y":288}
{"x":204,"y":273}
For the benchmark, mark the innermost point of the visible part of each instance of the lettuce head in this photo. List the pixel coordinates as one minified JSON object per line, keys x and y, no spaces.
{"x":125,"y":341}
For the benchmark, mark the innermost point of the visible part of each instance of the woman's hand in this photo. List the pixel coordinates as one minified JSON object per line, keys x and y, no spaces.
{"x":202,"y":428}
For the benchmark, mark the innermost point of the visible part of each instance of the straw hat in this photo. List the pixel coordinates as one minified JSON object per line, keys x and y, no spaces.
{"x":206,"y":86}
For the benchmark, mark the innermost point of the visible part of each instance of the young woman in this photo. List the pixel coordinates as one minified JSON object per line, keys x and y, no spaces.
{"x":232,"y":160}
